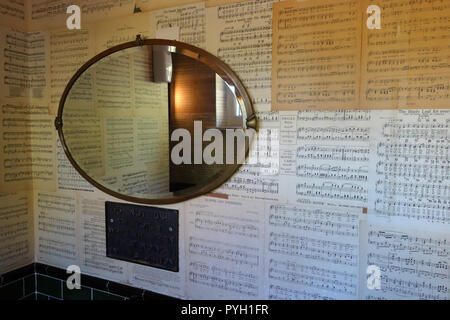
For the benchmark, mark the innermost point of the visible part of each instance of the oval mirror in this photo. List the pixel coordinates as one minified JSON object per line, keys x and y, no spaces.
{"x":155,"y":121}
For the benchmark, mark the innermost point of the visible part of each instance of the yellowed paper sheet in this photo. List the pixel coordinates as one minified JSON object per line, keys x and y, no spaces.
{"x":16,"y":230}
{"x":406,"y":63}
{"x":216,"y":3}
{"x":52,"y":14}
{"x":316,"y":55}
{"x":190,"y":19}
{"x":13,"y":13}
{"x":109,"y":33}
{"x":24,"y":61}
{"x":69,"y":50}
{"x":23,"y":159}
{"x":150,"y":5}
{"x":242,"y":38}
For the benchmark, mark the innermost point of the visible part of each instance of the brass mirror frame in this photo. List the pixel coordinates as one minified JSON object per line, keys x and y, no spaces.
{"x":198,"y":54}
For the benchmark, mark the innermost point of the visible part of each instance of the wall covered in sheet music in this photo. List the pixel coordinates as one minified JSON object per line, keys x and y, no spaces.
{"x":365,"y":182}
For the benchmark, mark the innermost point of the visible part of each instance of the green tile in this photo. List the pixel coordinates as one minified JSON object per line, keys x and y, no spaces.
{"x":76,"y":294}
{"x":12,"y":291}
{"x":30,"y":284}
{"x":30,"y":297}
{"x":49,"y":286}
{"x":100,"y":295}
{"x":41,"y":297}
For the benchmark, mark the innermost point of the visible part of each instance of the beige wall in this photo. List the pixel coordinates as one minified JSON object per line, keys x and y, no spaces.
{"x":350,"y":189}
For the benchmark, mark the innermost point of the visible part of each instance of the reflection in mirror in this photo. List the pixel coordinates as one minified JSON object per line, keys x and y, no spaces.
{"x":121,"y":116}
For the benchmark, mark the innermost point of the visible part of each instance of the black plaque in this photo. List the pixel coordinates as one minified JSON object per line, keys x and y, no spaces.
{"x":143,"y":235}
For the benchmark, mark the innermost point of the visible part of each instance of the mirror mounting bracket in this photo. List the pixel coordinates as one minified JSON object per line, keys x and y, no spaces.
{"x":139,"y":40}
{"x":251,"y":122}
{"x":58,"y":123}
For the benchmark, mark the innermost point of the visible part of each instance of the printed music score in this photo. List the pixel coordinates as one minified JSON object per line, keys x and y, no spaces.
{"x":316,"y":55}
{"x":67,"y":177}
{"x":51,"y":14}
{"x":124,"y":29}
{"x":163,"y":281}
{"x":55,"y":228}
{"x":12,"y":13}
{"x":24,"y":64}
{"x":405,"y":64}
{"x":16,"y":230}
{"x":312,"y":252}
{"x":414,"y":265}
{"x":93,"y":240}
{"x":190,"y":19}
{"x":410,"y":173}
{"x":221,"y":235}
{"x":68,"y":52}
{"x":27,"y":158}
{"x":242,"y":37}
{"x":332,"y":157}
{"x":259,"y":177}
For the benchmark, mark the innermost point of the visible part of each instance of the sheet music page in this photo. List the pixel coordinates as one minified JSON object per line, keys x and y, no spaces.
{"x":242,"y":38}
{"x":410,"y":172}
{"x":312,"y":252}
{"x":190,"y":19}
{"x":259,"y":177}
{"x":109,"y":33}
{"x":163,"y":281}
{"x":216,"y":3}
{"x":50,"y":14}
{"x":69,"y":50}
{"x":332,"y":158}
{"x":413,"y":261}
{"x":405,"y":64}
{"x":67,"y":177}
{"x":24,"y":61}
{"x":224,"y":249}
{"x":92,"y":240}
{"x":151,"y":5}
{"x":316,"y":55}
{"x":16,"y":230}
{"x":13,"y":14}
{"x":27,"y":143}
{"x":56,"y":228}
